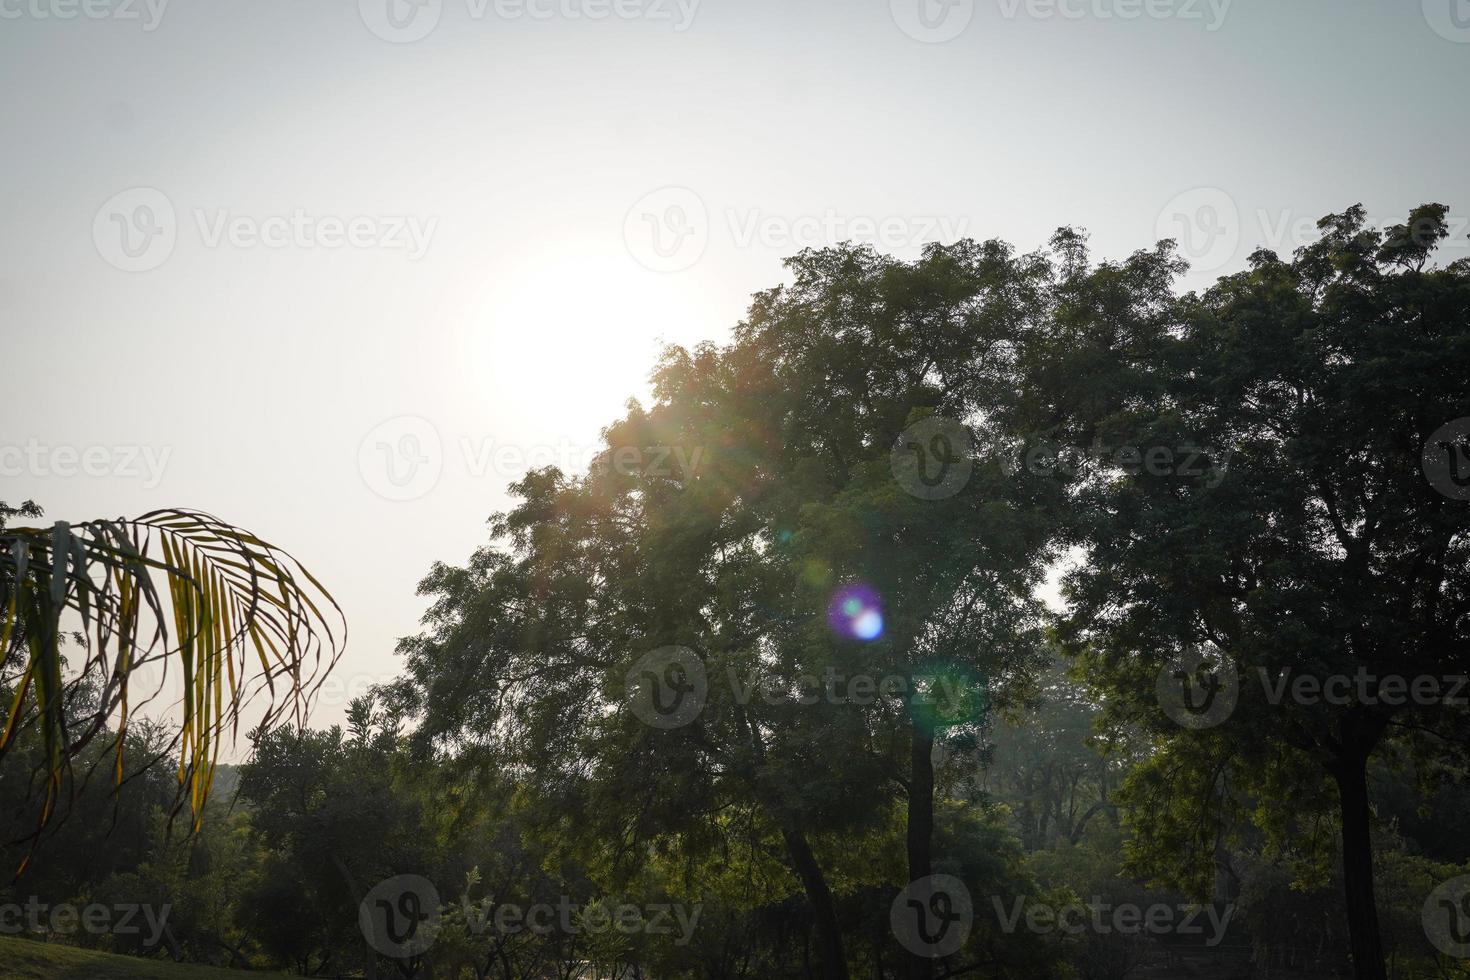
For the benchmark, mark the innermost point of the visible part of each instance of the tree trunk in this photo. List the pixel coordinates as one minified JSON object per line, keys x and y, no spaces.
{"x":921,"y":826}
{"x":833,"y":962}
{"x":370,"y":961}
{"x":1351,"y":775}
{"x":803,"y":861}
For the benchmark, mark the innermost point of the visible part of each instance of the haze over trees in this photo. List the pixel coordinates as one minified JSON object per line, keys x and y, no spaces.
{"x":789,"y":660}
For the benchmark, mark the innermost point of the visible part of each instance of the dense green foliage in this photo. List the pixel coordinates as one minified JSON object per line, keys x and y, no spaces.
{"x":1233,"y":484}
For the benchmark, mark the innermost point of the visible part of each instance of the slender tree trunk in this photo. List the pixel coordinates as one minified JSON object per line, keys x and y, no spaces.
{"x":921,"y":826}
{"x":370,"y":960}
{"x":833,"y":961}
{"x":804,"y":862}
{"x":1351,"y":774}
{"x":171,"y":941}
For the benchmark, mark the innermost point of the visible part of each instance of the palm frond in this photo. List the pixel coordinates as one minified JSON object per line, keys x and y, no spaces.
{"x":178,"y":589}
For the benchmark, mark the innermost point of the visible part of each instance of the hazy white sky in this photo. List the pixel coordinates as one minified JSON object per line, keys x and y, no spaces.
{"x":339,"y":271}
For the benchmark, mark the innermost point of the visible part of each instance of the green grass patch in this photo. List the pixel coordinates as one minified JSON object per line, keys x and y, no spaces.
{"x":23,"y":959}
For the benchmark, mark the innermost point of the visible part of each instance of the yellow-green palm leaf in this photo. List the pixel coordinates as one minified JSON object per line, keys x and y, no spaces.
{"x":173,"y":589}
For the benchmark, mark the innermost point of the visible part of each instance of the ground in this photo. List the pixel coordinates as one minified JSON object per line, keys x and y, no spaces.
{"x":22,"y":959}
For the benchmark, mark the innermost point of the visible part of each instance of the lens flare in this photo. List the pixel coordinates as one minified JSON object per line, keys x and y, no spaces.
{"x":855,"y":612}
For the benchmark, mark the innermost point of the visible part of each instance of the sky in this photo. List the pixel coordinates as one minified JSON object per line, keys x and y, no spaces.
{"x":340,"y":271}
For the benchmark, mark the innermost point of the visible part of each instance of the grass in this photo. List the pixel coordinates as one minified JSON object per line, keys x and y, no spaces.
{"x":23,"y":959}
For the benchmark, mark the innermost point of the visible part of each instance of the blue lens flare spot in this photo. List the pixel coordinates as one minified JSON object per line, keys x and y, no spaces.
{"x":855,"y":612}
{"x":868,"y":625}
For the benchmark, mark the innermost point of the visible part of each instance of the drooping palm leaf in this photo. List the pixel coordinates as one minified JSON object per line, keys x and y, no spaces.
{"x":175,"y":588}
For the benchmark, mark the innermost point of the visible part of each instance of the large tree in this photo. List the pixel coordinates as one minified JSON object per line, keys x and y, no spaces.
{"x":1301,"y":514}
{"x":826,"y":448}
